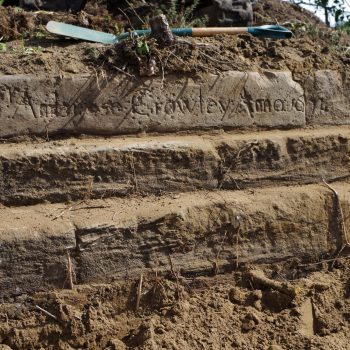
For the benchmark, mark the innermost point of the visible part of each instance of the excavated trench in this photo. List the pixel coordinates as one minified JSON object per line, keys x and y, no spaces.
{"x":198,"y":175}
{"x":120,"y":203}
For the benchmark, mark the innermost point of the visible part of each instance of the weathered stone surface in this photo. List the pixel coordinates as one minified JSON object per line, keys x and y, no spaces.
{"x":274,"y":99}
{"x":69,"y":169}
{"x":327,"y":95}
{"x":32,"y":254}
{"x":119,"y":238}
{"x":44,"y":105}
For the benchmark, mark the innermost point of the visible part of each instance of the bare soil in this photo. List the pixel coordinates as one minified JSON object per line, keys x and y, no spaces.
{"x":221,"y":312}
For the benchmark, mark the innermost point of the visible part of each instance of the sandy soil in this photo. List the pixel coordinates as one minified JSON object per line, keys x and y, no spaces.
{"x":221,"y":312}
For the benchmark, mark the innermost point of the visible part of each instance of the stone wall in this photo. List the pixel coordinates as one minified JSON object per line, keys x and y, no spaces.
{"x":117,"y":104}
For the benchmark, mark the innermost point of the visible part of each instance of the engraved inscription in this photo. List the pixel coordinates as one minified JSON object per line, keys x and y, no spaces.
{"x":145,"y":103}
{"x":278,"y":105}
{"x":230,"y":99}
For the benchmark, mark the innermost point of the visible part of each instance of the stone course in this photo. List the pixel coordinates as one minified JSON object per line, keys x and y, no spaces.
{"x":41,"y":105}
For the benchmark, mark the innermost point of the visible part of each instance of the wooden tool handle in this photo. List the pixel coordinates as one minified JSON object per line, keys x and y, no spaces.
{"x":218,"y":30}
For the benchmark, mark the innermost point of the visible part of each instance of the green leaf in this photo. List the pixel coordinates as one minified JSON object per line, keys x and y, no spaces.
{"x":142,"y":48}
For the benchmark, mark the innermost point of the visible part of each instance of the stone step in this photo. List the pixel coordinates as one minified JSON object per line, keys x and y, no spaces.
{"x":116,"y":104}
{"x":74,"y":169}
{"x":201,"y":231}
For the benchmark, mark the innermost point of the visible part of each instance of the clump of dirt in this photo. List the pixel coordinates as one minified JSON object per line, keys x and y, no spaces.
{"x":221,"y":312}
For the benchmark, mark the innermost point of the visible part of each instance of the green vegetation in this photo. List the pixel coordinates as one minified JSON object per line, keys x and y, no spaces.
{"x":91,"y":52}
{"x":345,"y":27}
{"x":332,"y":9}
{"x":180,"y":16}
{"x":142,"y":47}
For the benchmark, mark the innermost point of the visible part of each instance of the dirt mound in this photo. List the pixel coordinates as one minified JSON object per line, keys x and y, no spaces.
{"x":301,"y":54}
{"x":222,"y":312}
{"x":280,"y":12}
{"x":313,"y":46}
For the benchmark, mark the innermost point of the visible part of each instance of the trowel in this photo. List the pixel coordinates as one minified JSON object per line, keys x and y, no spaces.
{"x":266,"y":31}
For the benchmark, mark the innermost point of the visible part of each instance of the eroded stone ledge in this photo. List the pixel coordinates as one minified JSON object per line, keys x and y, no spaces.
{"x":69,"y":169}
{"x":116,"y":239}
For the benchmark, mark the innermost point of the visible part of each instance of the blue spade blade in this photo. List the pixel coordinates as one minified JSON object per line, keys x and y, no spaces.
{"x":270,"y":31}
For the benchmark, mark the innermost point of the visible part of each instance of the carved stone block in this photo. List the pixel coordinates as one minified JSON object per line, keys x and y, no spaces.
{"x":327,"y":95}
{"x":118,"y":104}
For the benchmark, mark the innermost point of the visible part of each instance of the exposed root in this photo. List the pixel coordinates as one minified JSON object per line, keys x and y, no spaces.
{"x":46,"y":312}
{"x":71,"y":276}
{"x":224,"y":173}
{"x":139,"y":292}
{"x":341,"y":222}
{"x":176,"y":275}
{"x":258,"y":277}
{"x":216,"y":262}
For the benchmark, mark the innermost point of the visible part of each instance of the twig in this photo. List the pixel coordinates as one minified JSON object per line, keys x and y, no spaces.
{"x":70,"y":272}
{"x":343,"y":226}
{"x":259,"y":277}
{"x":344,"y":231}
{"x":127,"y":17}
{"x":214,"y":59}
{"x":162,"y":67}
{"x":68,"y":209}
{"x":237,"y":248}
{"x":337,"y":178}
{"x":97,"y":81}
{"x":139,"y":292}
{"x":136,"y":14}
{"x":157,"y":281}
{"x":123,"y":71}
{"x":134,"y":172}
{"x":176,"y":275}
{"x":326,"y":261}
{"x":93,"y":207}
{"x":216,"y":269}
{"x":46,"y":312}
{"x":244,"y":148}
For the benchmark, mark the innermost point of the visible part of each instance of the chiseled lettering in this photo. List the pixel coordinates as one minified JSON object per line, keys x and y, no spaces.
{"x":299,"y":105}
{"x":140,"y":105}
{"x":169,"y":107}
{"x":278,"y":105}
{"x":184,"y":104}
{"x":212,"y":106}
